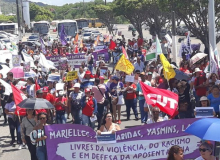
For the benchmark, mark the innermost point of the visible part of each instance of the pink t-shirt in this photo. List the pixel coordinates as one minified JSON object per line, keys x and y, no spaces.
{"x":97,"y":94}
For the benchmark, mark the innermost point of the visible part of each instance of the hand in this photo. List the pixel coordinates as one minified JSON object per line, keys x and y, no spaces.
{"x":99,"y":132}
{"x":44,"y":137}
{"x":92,"y":115}
{"x":113,"y":131}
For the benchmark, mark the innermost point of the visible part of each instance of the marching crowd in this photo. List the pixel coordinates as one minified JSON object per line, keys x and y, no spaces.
{"x":94,"y":98}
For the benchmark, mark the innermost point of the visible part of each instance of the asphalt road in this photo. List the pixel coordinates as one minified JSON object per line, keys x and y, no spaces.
{"x":8,"y":152}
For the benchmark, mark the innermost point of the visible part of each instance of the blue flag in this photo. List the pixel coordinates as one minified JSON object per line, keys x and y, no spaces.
{"x":63,"y":36}
{"x":42,"y":46}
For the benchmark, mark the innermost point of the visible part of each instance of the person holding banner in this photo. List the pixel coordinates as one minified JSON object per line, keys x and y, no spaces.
{"x":89,"y":109}
{"x":108,"y":125}
{"x":38,"y":138}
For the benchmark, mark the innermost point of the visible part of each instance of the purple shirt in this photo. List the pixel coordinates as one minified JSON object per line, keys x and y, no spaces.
{"x":114,"y":86}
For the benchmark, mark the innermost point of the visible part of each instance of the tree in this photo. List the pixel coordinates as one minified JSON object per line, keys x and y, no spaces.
{"x":106,"y":14}
{"x":38,"y":13}
{"x":194,"y":13}
{"x":133,"y":10}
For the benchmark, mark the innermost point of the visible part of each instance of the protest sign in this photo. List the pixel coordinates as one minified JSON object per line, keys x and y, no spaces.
{"x":202,"y":112}
{"x":151,"y":141}
{"x":106,"y":138}
{"x":77,"y":59}
{"x":129,"y":78}
{"x":29,"y":74}
{"x":104,"y":72}
{"x":71,"y":76}
{"x":53,"y":77}
{"x":63,"y":63}
{"x":16,"y":60}
{"x":27,"y":67}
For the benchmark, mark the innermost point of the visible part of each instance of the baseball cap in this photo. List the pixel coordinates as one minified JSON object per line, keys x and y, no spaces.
{"x":87,"y":90}
{"x":46,"y":89}
{"x":115,"y":78}
{"x":203,"y":98}
{"x":101,"y":77}
{"x":61,"y":93}
{"x":76,"y":85}
{"x":39,"y":91}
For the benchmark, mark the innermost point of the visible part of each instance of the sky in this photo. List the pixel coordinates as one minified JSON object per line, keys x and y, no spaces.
{"x":61,"y":2}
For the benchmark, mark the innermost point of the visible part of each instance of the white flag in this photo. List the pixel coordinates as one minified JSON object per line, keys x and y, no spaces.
{"x":213,"y":64}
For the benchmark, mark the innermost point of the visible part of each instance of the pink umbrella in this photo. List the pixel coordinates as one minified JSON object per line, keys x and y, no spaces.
{"x":18,"y":72}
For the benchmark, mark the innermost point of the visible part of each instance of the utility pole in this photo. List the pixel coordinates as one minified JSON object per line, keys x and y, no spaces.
{"x":83,"y":9}
{"x":174,"y":42}
{"x":19,"y":22}
{"x":211,"y":22}
{"x":105,"y":2}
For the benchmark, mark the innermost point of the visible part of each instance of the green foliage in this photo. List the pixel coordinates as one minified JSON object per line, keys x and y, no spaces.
{"x":4,"y":18}
{"x":38,"y":13}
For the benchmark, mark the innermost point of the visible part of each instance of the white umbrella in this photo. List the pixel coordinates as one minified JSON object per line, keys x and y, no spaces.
{"x":197,"y":57}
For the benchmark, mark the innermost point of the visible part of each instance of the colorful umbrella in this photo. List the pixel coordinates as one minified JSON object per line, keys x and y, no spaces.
{"x":206,"y":129}
{"x":197,"y":57}
{"x":19,"y":73}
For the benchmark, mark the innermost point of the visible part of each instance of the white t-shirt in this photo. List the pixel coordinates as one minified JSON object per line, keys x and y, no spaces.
{"x":32,"y":91}
{"x":10,"y":107}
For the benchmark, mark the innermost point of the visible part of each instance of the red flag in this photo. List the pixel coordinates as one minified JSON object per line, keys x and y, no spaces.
{"x":37,"y":87}
{"x":76,"y":50}
{"x":18,"y":97}
{"x":124,"y":52}
{"x":112,"y":45}
{"x":166,"y":100}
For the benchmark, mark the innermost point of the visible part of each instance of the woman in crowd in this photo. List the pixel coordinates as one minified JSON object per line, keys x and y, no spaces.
{"x":27,"y":125}
{"x":214,"y":79}
{"x":61,"y":108}
{"x":115,"y":90}
{"x":206,"y":151}
{"x":214,"y":98}
{"x":89,"y":109}
{"x":185,"y":67}
{"x":31,"y":88}
{"x":175,"y":153}
{"x":74,"y":101}
{"x":13,"y":121}
{"x":108,"y":125}
{"x":204,"y":102}
{"x":38,"y":138}
{"x":130,"y":99}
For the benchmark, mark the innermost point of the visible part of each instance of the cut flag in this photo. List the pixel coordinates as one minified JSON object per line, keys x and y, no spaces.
{"x":124,"y":52}
{"x":18,"y":97}
{"x":168,"y":70}
{"x":166,"y":100}
{"x":151,"y":54}
{"x":124,"y":65}
{"x":112,"y":45}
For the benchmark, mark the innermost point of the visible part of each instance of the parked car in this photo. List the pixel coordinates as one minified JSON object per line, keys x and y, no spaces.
{"x":33,"y":38}
{"x":31,"y":44}
{"x":86,"y":37}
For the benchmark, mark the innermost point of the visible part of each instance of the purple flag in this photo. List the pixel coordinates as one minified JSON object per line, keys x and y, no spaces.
{"x":42,"y":46}
{"x":63,"y":36}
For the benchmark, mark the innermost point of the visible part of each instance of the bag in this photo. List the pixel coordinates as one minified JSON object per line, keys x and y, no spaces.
{"x":121,"y":100}
{"x":106,"y":101}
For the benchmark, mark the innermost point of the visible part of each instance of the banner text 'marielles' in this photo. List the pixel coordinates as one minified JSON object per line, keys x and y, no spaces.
{"x":67,"y":133}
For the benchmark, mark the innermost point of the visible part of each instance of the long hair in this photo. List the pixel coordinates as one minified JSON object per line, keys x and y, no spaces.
{"x":104,"y":117}
{"x":10,"y":98}
{"x":173,"y":149}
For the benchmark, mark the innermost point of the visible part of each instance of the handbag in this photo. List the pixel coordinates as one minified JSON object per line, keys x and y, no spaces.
{"x":121,"y":100}
{"x":106,"y":101}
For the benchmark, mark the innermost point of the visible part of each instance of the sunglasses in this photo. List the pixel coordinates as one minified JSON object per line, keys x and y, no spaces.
{"x":42,"y":118}
{"x":203,"y":149}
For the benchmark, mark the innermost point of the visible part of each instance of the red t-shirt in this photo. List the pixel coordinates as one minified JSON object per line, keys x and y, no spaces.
{"x":49,"y":97}
{"x":200,"y":91}
{"x":140,"y":42}
{"x":131,"y":43}
{"x":89,"y":108}
{"x":131,"y":94}
{"x":59,"y":107}
{"x":184,"y":70}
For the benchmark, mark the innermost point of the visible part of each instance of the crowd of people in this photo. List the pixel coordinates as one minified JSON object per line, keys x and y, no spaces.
{"x":94,"y":98}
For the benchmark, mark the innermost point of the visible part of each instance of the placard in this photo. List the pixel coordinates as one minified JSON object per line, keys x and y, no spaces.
{"x":129,"y":78}
{"x":104,"y":72}
{"x":26,"y":66}
{"x":63,"y":63}
{"x":106,"y":138}
{"x":53,"y":77}
{"x":202,"y":112}
{"x":29,"y":74}
{"x":71,"y":76}
{"x":16,"y":60}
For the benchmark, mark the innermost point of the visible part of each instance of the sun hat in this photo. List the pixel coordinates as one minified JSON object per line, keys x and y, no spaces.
{"x":203,"y":98}
{"x":76,"y":85}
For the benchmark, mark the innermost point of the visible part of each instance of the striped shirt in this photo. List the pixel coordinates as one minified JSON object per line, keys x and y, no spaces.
{"x":34,"y":135}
